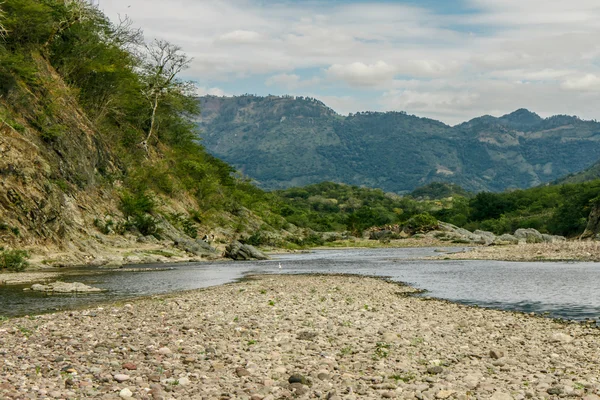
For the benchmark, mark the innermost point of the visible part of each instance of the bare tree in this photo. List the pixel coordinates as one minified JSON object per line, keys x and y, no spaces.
{"x":162,"y":64}
{"x":77,"y":11}
{"x":3,"y":31}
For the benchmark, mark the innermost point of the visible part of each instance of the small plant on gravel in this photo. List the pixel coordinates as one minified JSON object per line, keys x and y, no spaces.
{"x":349,"y":300}
{"x":417,"y":341}
{"x":271,"y":303}
{"x":263,"y":291}
{"x":382,"y":350}
{"x":251,"y":342}
{"x":406,"y":377}
{"x":578,"y":386}
{"x":345,"y":351}
{"x":323,"y":299}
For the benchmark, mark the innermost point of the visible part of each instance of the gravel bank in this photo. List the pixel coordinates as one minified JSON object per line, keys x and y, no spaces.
{"x":334,"y":337}
{"x":560,"y":251}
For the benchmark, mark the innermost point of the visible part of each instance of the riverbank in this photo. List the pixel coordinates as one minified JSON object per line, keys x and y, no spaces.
{"x":558,"y":251}
{"x":340,"y":337}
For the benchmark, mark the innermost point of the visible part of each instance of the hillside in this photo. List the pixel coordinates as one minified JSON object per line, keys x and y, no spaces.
{"x":284,"y":141}
{"x":91,"y":171}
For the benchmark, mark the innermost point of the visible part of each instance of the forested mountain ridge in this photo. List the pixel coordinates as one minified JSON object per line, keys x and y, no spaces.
{"x":285,"y":141}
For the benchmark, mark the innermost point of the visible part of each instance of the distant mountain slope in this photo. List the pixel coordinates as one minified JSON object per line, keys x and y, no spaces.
{"x":285,"y":141}
{"x":589,"y":174}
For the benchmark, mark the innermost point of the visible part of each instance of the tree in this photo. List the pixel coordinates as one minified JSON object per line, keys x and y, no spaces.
{"x":2,"y":29}
{"x":163,"y":61}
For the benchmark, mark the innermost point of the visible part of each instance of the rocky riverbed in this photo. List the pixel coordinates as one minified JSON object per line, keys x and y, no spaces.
{"x":278,"y":337}
{"x":558,"y":251}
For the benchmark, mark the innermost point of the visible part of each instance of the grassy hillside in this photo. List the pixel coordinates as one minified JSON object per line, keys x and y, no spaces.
{"x":284,"y":141}
{"x":97,"y":146}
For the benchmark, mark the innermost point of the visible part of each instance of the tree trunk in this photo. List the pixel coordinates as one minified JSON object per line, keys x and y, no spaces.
{"x":144,"y":143}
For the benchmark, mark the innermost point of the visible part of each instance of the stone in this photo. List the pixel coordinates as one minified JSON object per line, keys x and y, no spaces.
{"x":501,"y":396}
{"x":297,"y":378}
{"x":434,"y":370}
{"x":184,"y":381}
{"x":444,"y":394}
{"x":129,"y":366}
{"x":121,"y":377}
{"x":239,"y":371}
{"x":555,"y":390}
{"x":242,"y":252}
{"x":64,"y":287}
{"x":496,"y":354}
{"x":561,"y":337}
{"x":125,"y":393}
{"x":530,"y":235}
{"x":164,"y":351}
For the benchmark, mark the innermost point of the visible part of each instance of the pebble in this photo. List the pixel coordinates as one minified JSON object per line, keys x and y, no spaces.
{"x":318,"y":341}
{"x":121,"y":378}
{"x":125,"y":394}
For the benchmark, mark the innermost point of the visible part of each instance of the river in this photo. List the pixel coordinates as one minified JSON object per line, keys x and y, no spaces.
{"x":559,"y":289}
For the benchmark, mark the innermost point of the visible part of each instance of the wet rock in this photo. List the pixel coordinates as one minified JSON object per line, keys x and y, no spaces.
{"x":241,"y":252}
{"x":64,"y":287}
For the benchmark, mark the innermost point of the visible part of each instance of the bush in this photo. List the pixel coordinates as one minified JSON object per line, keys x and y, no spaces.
{"x":14,"y":260}
{"x":422,"y":223}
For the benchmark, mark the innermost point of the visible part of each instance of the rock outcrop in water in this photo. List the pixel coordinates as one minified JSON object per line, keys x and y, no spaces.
{"x":64,"y":287}
{"x":243,"y":252}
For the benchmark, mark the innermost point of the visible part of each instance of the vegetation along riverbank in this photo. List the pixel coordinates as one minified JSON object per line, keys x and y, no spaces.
{"x":334,"y":337}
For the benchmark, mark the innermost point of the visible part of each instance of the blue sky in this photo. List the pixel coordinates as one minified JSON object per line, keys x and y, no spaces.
{"x":448,"y":60}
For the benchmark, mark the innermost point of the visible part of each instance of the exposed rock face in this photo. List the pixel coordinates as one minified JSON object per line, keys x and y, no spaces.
{"x":64,"y":287}
{"x":529,"y":235}
{"x":592,"y":230}
{"x":452,"y":232}
{"x":241,"y":252}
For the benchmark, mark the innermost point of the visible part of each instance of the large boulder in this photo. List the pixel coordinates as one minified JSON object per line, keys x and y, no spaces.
{"x":485,"y":236}
{"x":506,"y":239}
{"x":592,"y":230}
{"x":553,"y":238}
{"x":529,"y":235}
{"x":242,"y":252}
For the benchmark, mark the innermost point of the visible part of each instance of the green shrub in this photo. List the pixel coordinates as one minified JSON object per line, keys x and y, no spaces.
{"x":422,"y":223}
{"x":14,"y":260}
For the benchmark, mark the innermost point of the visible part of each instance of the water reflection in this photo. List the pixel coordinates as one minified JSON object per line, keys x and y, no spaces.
{"x":564,"y":290}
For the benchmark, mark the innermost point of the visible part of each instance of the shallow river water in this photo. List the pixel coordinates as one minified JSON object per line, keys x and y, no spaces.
{"x":560,"y":289}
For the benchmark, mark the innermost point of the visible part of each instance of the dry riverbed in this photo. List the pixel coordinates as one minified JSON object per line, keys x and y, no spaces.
{"x":333,"y":337}
{"x":559,"y":251}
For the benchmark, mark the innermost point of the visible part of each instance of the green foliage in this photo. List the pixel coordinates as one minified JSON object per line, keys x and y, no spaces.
{"x":13,"y":260}
{"x":422,"y":223}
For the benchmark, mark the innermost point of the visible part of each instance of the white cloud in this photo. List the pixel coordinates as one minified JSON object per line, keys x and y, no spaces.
{"x":213,"y":91}
{"x":540,"y":54}
{"x":587,"y":82}
{"x":240,"y":37}
{"x":359,"y":74}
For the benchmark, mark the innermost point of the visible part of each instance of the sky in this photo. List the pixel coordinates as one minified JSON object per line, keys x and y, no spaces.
{"x":450,"y":60}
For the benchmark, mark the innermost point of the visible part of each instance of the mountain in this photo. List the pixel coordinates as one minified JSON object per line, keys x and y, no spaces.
{"x":589,"y":174}
{"x":291,"y":141}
